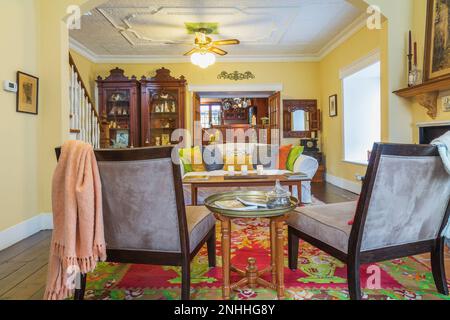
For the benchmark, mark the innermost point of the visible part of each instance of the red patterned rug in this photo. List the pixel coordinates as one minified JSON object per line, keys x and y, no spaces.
{"x":319,"y":276}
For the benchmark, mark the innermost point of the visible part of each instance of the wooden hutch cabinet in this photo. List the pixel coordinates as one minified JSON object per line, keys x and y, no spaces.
{"x":119,"y":102}
{"x":162,"y":108}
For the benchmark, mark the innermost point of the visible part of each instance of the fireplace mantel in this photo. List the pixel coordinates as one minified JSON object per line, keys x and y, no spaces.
{"x":428,"y":131}
{"x":433,"y":124}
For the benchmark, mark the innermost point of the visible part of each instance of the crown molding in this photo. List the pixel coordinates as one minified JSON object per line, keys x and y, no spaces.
{"x":82,"y":50}
{"x":343,"y":36}
{"x":339,"y":39}
{"x":130,"y":59}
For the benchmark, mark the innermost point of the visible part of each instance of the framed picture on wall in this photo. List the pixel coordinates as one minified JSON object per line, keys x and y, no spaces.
{"x":27,"y":93}
{"x":333,"y":104}
{"x":437,"y":47}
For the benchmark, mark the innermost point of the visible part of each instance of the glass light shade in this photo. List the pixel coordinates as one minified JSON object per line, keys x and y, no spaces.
{"x":203,"y":60}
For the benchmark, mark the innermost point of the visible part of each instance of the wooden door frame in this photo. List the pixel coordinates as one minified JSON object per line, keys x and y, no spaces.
{"x":195,"y":89}
{"x":276,"y":95}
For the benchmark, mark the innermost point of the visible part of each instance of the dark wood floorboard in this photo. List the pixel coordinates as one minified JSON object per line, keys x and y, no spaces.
{"x":329,"y":193}
{"x":22,"y":270}
{"x":23,"y":267}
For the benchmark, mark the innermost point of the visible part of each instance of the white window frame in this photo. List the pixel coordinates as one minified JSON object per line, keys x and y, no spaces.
{"x":358,"y":65}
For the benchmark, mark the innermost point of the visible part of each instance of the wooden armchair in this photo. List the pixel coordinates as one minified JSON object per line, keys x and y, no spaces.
{"x":145,"y":219}
{"x":403,"y":210}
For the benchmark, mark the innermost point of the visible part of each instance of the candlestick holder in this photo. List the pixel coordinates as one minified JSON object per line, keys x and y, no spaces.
{"x":414,"y":76}
{"x":410,"y":64}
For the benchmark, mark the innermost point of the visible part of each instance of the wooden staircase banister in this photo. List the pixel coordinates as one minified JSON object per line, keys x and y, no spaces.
{"x":86,"y":92}
{"x":85,"y":121}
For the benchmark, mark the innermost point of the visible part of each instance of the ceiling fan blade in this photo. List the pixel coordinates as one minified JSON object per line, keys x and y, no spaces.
{"x":218,"y":51}
{"x":226,"y":42}
{"x":191,"y":52}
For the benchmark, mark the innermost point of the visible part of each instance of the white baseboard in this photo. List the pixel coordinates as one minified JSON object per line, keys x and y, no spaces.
{"x":343,"y":183}
{"x":25,"y":229}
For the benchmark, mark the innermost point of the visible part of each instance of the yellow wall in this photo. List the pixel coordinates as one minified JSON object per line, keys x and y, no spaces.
{"x":87,"y":72}
{"x":19,"y":165}
{"x":53,"y":61}
{"x":34,"y":39}
{"x":300,"y":80}
{"x":399,"y":14}
{"x":361,"y":44}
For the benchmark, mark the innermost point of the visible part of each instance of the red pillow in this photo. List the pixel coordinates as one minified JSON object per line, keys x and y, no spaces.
{"x":283,"y":156}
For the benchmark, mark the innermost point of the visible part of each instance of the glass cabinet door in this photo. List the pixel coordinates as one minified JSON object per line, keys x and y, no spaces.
{"x":164,"y":117}
{"x":118,"y":113}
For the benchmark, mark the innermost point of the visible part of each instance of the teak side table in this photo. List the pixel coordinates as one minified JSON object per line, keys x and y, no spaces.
{"x":251,"y":276}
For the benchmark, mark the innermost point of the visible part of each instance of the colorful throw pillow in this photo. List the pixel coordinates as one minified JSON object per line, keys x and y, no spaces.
{"x":283,"y":156}
{"x":192,"y":159}
{"x":186,"y":166}
{"x":295,"y":153}
{"x":238,"y":161}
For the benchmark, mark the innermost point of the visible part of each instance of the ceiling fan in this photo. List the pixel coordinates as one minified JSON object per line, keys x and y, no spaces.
{"x":205,"y":48}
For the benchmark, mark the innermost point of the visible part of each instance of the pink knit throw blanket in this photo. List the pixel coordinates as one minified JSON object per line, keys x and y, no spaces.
{"x":78,"y":240}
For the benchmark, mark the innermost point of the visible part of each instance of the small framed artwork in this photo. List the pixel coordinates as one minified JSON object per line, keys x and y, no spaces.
{"x":446,"y":105}
{"x":27,"y":93}
{"x":333,"y":106}
{"x":165,"y":139}
{"x":122,"y":139}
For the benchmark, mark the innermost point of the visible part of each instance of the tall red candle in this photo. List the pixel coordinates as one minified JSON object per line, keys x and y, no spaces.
{"x":415,"y":54}
{"x":410,"y":43}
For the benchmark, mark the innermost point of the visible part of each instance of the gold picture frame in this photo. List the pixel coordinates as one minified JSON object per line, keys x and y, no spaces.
{"x":437,"y":61}
{"x":27,"y":93}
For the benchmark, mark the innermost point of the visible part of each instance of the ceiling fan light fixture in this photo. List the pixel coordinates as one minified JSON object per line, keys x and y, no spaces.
{"x":203,"y":59}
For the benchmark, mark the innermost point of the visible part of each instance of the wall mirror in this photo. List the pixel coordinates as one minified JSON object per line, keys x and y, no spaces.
{"x":301,"y":118}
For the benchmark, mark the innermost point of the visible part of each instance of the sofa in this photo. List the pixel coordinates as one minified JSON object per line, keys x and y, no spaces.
{"x":261,"y":154}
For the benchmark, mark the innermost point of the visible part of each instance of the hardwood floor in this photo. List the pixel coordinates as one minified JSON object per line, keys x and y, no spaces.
{"x":23,"y":267}
{"x":329,"y":193}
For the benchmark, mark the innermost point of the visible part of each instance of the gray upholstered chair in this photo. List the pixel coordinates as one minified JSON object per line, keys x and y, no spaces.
{"x":403,"y":210}
{"x":145,"y":219}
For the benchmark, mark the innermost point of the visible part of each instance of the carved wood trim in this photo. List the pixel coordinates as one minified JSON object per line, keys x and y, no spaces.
{"x":117,"y":74}
{"x":163,"y":74}
{"x":429,"y":102}
{"x":290,"y":106}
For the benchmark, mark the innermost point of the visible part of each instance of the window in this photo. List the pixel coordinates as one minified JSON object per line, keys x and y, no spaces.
{"x":362,"y":110}
{"x":210,"y":115}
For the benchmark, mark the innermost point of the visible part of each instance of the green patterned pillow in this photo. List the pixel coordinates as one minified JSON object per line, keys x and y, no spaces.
{"x":295,"y":153}
{"x":186,"y":165}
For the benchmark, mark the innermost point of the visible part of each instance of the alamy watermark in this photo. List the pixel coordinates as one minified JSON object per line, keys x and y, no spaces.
{"x":74,"y":19}
{"x":374,"y":19}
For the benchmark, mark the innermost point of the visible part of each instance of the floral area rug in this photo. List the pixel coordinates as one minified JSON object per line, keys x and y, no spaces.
{"x":319,"y":276}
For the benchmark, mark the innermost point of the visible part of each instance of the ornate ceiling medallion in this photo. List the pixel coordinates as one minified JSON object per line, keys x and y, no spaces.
{"x":236,"y":75}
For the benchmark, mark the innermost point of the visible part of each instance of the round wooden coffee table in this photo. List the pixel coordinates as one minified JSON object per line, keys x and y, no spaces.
{"x":251,"y":277}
